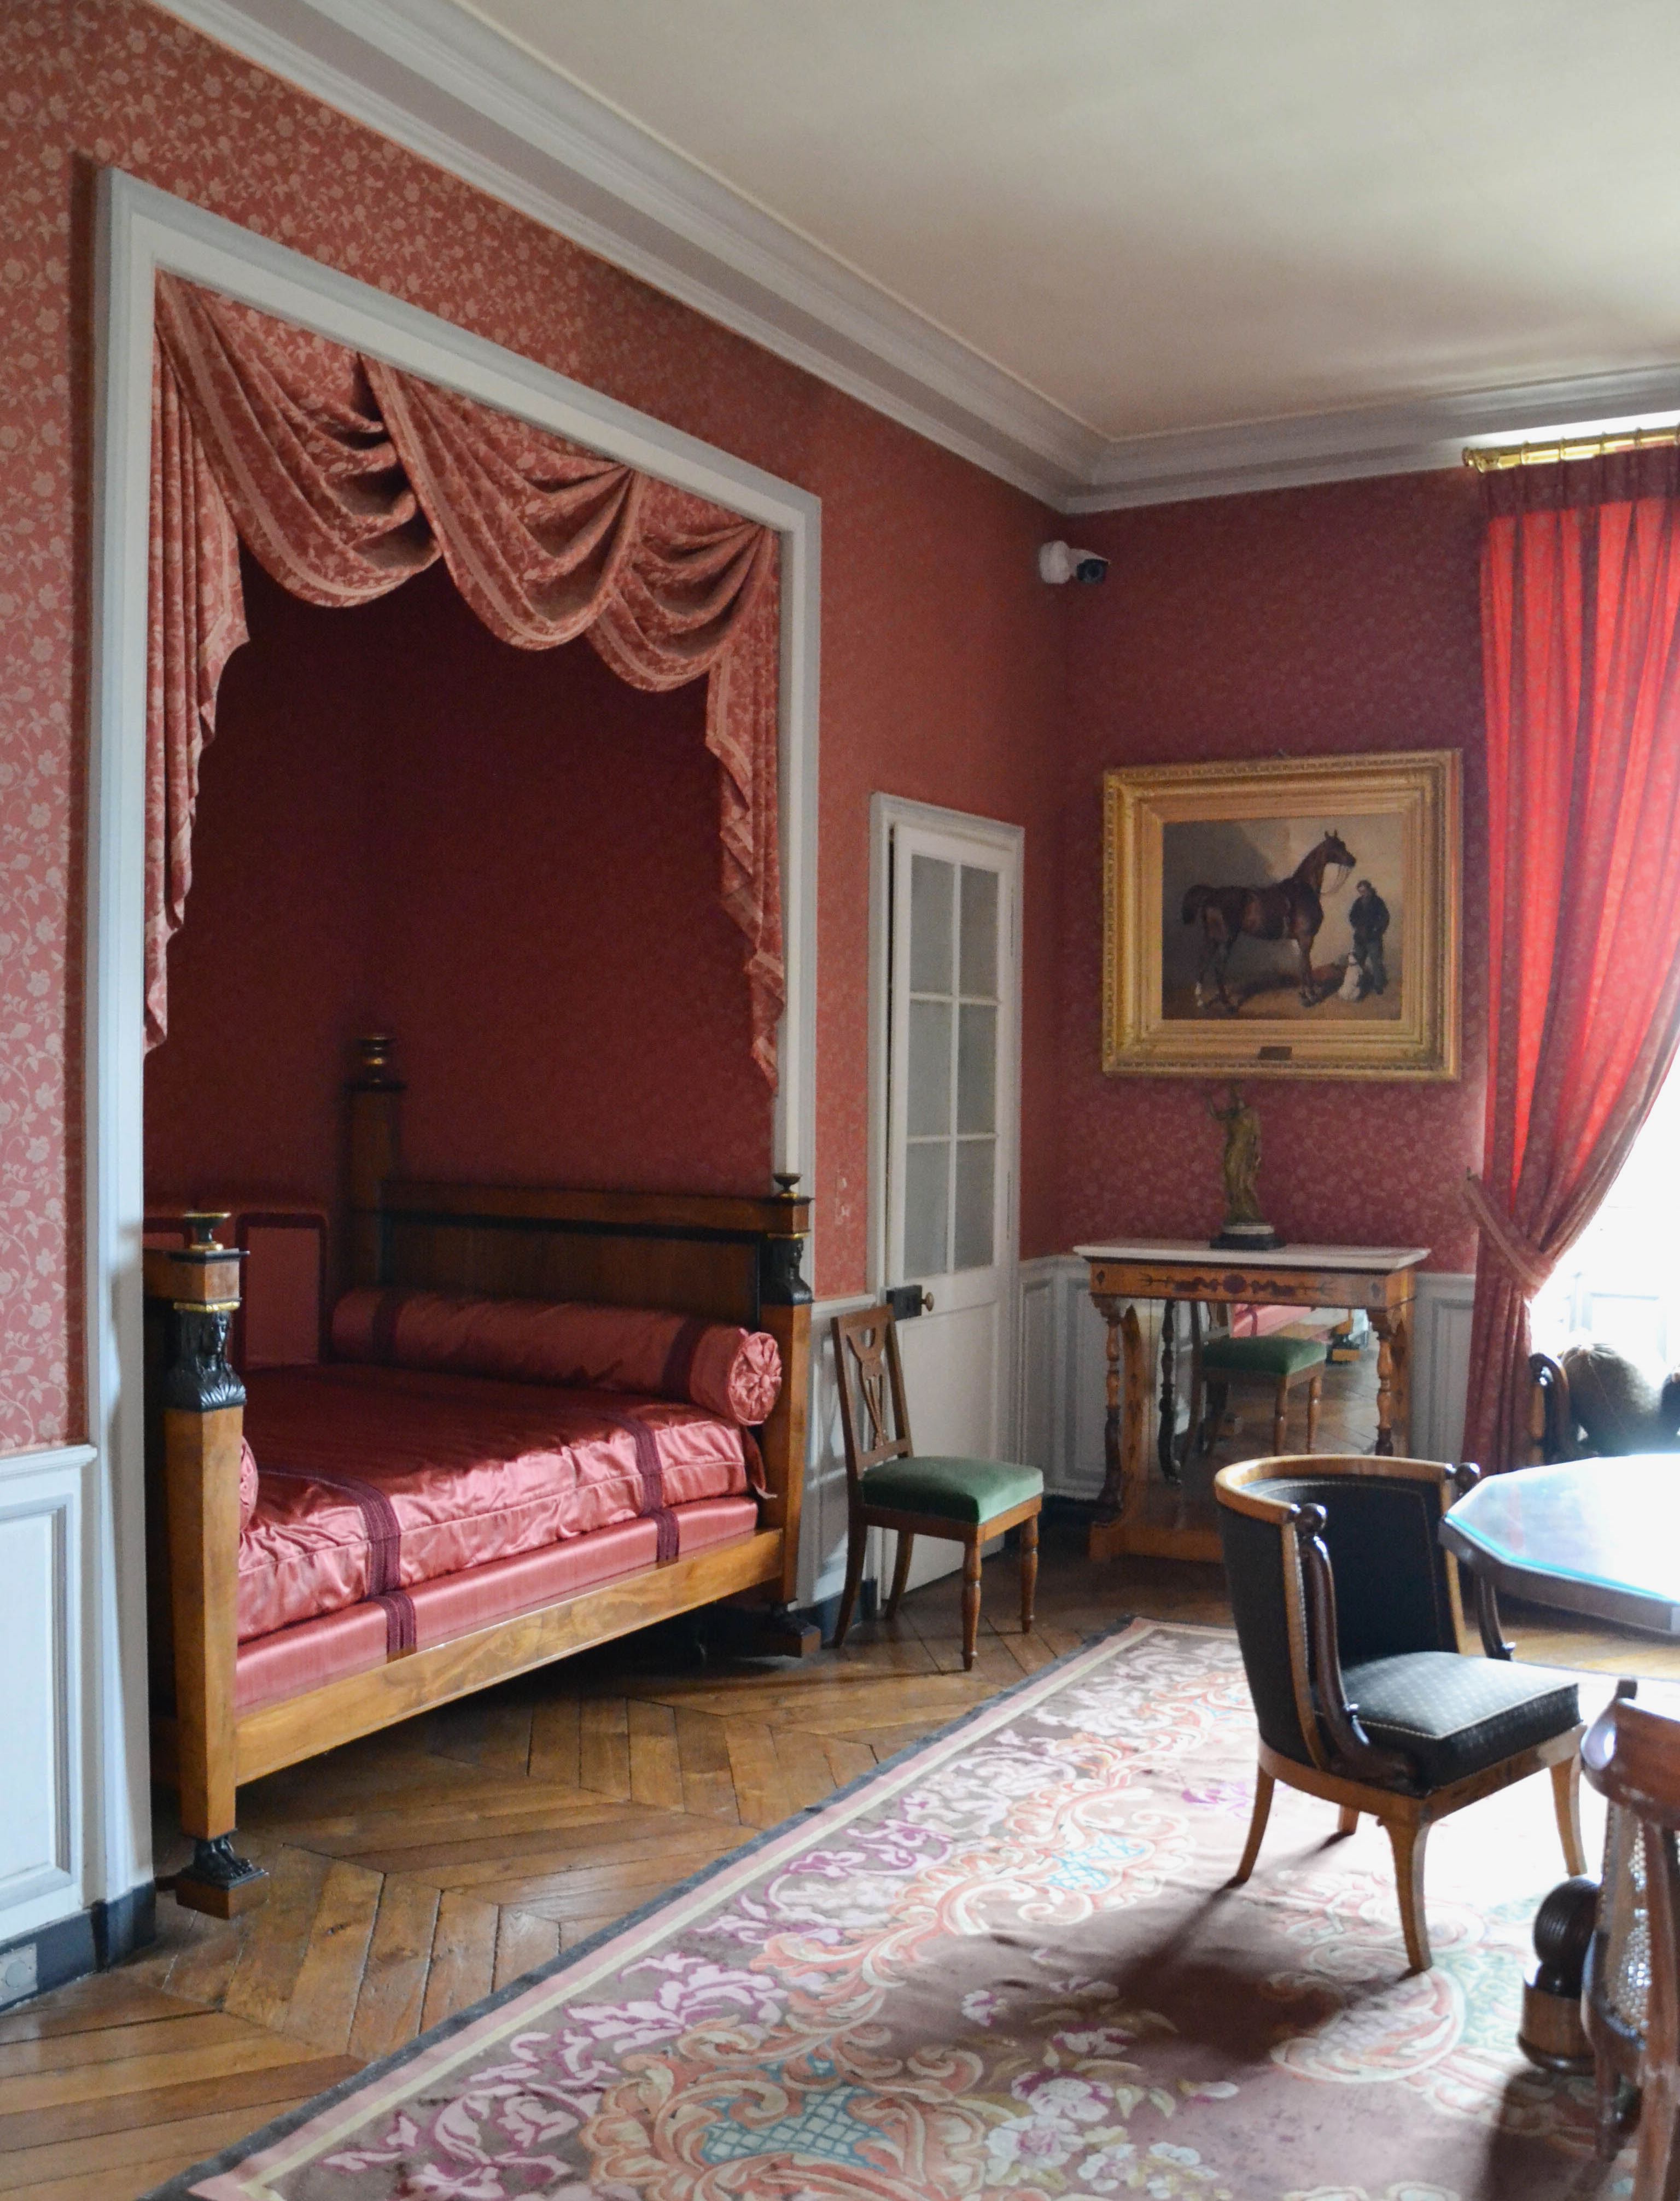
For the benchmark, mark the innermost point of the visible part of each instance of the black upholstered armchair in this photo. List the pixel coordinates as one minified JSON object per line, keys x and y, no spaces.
{"x":1352,"y":1633}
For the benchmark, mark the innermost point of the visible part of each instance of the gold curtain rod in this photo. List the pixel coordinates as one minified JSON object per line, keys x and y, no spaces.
{"x":1498,"y":458}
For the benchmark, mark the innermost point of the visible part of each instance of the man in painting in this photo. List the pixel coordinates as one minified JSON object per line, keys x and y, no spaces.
{"x":1369,"y":918}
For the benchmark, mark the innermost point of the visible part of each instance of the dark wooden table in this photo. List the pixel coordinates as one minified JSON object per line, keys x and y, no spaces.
{"x":1595,"y":1536}
{"x":1600,"y":1537}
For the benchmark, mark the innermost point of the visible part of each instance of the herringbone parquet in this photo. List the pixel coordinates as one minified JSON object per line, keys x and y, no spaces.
{"x":415,"y":1871}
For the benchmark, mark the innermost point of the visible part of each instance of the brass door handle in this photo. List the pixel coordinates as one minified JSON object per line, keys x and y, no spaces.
{"x":927,"y":1303}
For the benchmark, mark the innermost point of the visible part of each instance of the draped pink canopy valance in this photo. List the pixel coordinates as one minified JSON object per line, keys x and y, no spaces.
{"x":345,"y":477}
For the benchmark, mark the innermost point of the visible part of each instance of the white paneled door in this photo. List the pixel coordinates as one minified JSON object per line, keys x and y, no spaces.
{"x":948,"y":1143}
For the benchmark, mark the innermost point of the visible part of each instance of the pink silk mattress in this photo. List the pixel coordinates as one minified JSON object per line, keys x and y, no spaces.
{"x":273,"y":1667}
{"x":375,"y":1481}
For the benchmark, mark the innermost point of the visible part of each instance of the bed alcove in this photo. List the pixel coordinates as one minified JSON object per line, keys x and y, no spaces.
{"x":506,"y":857}
{"x":509,"y":859}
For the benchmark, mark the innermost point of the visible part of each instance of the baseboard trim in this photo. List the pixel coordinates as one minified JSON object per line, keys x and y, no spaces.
{"x":93,"y":1941}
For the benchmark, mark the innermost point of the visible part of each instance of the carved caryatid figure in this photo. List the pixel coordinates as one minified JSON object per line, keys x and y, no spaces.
{"x":1241,"y":1158}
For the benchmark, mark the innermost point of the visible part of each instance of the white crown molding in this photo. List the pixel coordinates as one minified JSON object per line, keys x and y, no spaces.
{"x":1419,"y":436}
{"x":430,"y":76}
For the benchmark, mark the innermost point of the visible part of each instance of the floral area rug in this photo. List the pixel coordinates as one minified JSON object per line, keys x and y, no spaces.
{"x":1007,"y":1964}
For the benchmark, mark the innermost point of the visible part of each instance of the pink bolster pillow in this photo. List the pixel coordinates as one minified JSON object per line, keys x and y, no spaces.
{"x":736,"y":1373}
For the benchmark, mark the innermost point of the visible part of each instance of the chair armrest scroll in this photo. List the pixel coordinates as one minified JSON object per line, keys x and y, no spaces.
{"x":1351,"y":1748}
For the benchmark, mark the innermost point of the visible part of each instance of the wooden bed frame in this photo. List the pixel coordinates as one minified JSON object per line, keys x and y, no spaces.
{"x":734,"y":1259}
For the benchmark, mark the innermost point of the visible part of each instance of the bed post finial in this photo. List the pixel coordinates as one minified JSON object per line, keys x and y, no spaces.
{"x":375,"y":1093}
{"x":374,"y":1067}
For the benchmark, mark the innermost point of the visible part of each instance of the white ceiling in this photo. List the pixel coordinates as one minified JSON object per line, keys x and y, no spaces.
{"x":1162,"y":215}
{"x":1116,"y":248}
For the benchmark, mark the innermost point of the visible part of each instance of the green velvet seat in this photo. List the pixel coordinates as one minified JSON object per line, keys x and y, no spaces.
{"x":1278,"y":1355}
{"x":967,"y":1490}
{"x":890,"y":1485}
{"x":1280,"y":1360}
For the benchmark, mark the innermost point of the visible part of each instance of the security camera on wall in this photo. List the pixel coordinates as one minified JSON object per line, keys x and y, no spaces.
{"x":1060,"y":561}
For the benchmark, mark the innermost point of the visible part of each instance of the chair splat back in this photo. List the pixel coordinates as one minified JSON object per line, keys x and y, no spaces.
{"x":890,"y":1486}
{"x":870,"y":1378}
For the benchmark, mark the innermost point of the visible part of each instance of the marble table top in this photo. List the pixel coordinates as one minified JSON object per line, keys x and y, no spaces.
{"x":1381,"y":1260}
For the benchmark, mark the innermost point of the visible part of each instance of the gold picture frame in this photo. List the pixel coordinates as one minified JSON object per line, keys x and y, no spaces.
{"x":1212,"y":874}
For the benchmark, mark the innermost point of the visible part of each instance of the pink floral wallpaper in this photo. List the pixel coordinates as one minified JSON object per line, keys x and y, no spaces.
{"x":942,"y":656}
{"x":1311,"y":622}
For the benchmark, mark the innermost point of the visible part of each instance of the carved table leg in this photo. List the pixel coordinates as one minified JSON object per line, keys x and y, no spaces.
{"x":1112,"y":1498}
{"x":1166,"y":1435}
{"x":1393,"y":1326}
{"x":1133,"y":1467}
{"x":1122,"y":1429}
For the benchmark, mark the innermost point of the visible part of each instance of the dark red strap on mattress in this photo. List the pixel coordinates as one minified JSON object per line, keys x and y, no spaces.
{"x":402,"y":1632}
{"x":385,"y":1549}
{"x":651,"y":1468}
{"x":679,"y":1360}
{"x":382,"y":1329}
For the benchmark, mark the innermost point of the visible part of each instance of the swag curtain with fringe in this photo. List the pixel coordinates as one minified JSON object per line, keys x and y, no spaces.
{"x":1581,"y":646}
{"x":345,"y":477}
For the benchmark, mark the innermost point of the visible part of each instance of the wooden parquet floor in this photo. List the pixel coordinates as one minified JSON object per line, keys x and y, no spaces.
{"x":416,"y":1870}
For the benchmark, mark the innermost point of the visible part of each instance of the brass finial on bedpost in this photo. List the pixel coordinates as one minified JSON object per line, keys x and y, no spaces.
{"x":374,"y":1069}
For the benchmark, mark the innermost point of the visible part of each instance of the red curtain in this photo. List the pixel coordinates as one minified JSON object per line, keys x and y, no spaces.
{"x":345,"y":476}
{"x":1581,"y":640}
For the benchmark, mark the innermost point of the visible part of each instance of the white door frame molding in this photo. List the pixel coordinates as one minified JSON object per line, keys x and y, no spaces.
{"x":144,"y":232}
{"x":886,"y":812}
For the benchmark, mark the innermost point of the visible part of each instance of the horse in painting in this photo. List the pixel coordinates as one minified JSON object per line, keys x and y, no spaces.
{"x":1292,"y":910}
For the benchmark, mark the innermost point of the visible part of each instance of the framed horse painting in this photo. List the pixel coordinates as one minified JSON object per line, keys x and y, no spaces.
{"x":1287,"y":919}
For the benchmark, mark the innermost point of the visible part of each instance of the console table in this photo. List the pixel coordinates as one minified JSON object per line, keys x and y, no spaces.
{"x":1158,"y":1518}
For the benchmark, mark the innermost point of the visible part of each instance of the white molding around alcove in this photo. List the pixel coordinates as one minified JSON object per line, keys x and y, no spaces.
{"x":144,"y":232}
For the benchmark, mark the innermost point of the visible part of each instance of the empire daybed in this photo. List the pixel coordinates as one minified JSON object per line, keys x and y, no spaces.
{"x":532,"y":1431}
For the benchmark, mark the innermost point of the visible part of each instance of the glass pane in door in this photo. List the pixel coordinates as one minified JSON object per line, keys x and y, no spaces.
{"x":932,"y":892}
{"x":929,"y":1098}
{"x":979,"y":933}
{"x":976,"y":1067}
{"x":946,"y":1107}
{"x":927,"y":1170}
{"x":976,"y":1203}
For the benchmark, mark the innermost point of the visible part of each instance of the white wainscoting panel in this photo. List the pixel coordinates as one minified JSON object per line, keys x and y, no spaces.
{"x":44,"y":1523}
{"x":1440,"y":1363}
{"x":1062,"y":1383}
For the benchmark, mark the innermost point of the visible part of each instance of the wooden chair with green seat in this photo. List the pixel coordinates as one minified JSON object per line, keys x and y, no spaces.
{"x":1282,"y":1361}
{"x":890,"y":1485}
